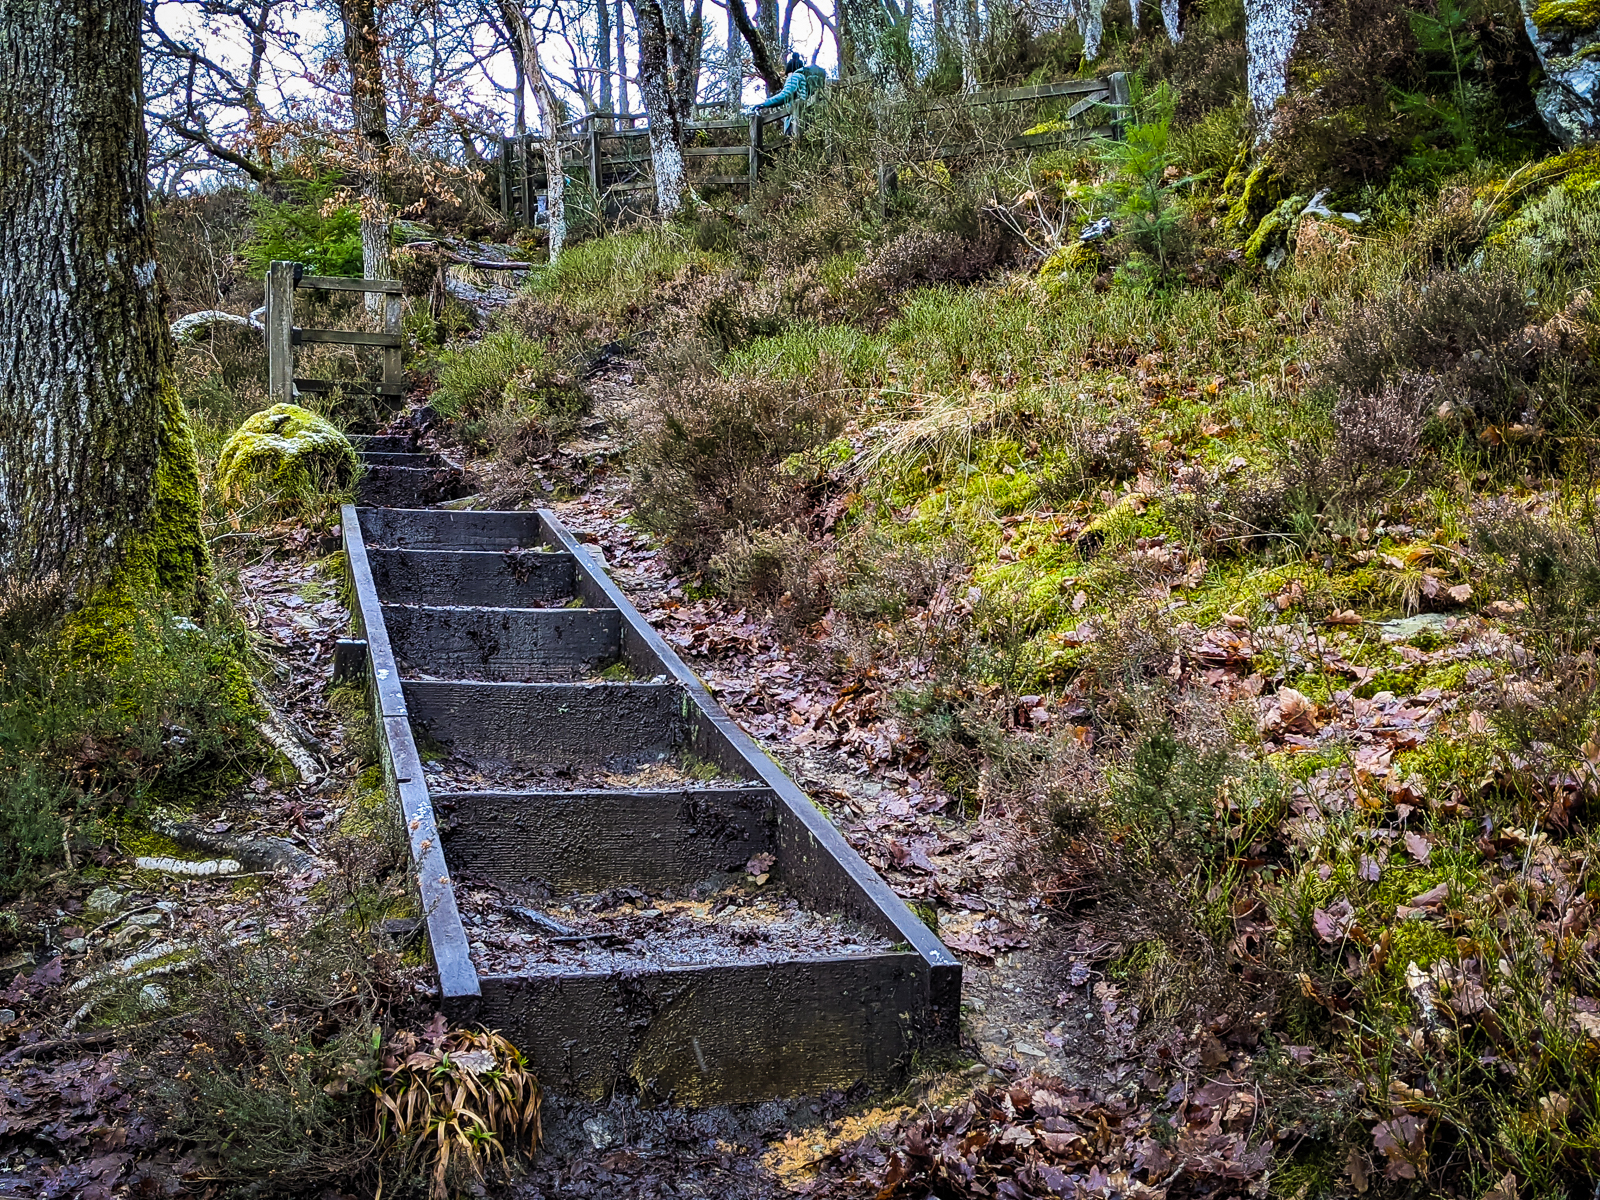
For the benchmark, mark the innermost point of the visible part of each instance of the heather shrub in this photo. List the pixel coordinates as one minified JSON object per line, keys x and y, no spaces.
{"x":923,"y":257}
{"x":706,"y":455}
{"x":1468,"y":331}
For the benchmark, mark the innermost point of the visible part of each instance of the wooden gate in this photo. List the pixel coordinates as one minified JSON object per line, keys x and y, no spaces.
{"x":283,"y":335}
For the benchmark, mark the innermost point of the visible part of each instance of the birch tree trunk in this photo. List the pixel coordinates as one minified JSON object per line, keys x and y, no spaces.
{"x":1170,"y":18}
{"x":1270,"y":30}
{"x":661,"y":105}
{"x":544,"y":96}
{"x":369,"y":107}
{"x":620,"y":15}
{"x":602,"y":16}
{"x":971,"y":36}
{"x":99,"y":489}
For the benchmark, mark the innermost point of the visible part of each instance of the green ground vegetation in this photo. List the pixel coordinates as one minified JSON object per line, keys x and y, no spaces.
{"x":1187,"y":482}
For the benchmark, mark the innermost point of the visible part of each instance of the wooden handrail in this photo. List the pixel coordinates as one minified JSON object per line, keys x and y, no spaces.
{"x":582,"y":145}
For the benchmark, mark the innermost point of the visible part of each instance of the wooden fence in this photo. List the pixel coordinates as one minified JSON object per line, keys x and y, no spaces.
{"x":283,"y":278}
{"x":611,"y":150}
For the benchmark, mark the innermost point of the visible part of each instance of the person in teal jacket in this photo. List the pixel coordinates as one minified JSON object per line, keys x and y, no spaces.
{"x":803,"y":83}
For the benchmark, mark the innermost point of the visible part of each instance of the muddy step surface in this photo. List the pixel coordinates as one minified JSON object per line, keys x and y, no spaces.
{"x":610,"y":871}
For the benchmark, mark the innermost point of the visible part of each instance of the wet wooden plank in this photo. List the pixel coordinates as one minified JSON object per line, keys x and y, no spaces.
{"x":514,"y":645}
{"x":701,"y":1036}
{"x":428,"y":528}
{"x":592,"y":840}
{"x":524,"y":578}
{"x":583,"y":725}
{"x":345,"y":283}
{"x":345,"y":337}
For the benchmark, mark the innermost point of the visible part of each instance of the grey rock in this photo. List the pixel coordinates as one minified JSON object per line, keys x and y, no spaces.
{"x":105,"y":900}
{"x":599,"y":1131}
{"x":1569,"y":97}
{"x":7,"y":1016}
{"x":78,"y":946}
{"x":1405,"y":628}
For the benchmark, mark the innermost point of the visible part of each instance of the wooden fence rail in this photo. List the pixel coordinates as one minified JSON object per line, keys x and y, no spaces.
{"x":626,"y":167}
{"x":283,"y":335}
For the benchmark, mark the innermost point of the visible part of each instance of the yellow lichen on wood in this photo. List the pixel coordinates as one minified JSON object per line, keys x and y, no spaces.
{"x":287,"y":450}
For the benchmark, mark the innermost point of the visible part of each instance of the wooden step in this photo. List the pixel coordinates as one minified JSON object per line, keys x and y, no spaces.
{"x":517,"y":645}
{"x":523,"y":578}
{"x":589,"y":840}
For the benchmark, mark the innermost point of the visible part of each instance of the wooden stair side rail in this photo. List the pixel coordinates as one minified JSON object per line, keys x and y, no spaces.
{"x":283,"y":335}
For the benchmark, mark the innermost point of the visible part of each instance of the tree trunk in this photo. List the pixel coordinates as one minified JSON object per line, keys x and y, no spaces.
{"x":526,"y":48}
{"x":971,"y":38}
{"x":368,"y":105}
{"x":1169,"y":18}
{"x":99,"y":488}
{"x":661,"y":106}
{"x":760,"y":49}
{"x":1092,"y":25}
{"x":603,"y":53}
{"x":1270,"y":30}
{"x":622,"y":58}
{"x":735,"y":80}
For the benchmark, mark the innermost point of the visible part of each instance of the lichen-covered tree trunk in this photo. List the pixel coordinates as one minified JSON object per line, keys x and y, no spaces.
{"x":1270,"y":30}
{"x":99,"y":488}
{"x":526,"y":48}
{"x":363,"y":49}
{"x":661,"y":103}
{"x":1171,"y":19}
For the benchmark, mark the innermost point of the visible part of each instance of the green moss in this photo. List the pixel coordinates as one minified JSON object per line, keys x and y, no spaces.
{"x":288,"y":450}
{"x":1262,"y":192}
{"x":1575,"y":15}
{"x":1274,"y":230}
{"x":1072,"y":258}
{"x":169,"y":557}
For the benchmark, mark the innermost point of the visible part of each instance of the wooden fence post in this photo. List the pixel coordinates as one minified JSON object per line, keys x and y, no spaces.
{"x":530,"y":202}
{"x":594,"y":155}
{"x":505,"y":177}
{"x":392,"y":372}
{"x":280,"y":332}
{"x":755,"y":152}
{"x":1120,"y":99}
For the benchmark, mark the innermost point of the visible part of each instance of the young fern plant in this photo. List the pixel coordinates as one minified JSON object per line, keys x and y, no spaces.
{"x":1141,"y":189}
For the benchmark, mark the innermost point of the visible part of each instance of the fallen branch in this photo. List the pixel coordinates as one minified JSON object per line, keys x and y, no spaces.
{"x":188,"y":328}
{"x":483,"y":264}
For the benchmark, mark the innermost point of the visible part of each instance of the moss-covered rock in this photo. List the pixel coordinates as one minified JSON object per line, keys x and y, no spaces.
{"x":1564,"y":34}
{"x":1075,"y":256}
{"x":288,"y":450}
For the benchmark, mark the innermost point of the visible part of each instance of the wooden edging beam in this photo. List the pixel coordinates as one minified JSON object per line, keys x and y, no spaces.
{"x":403,"y":778}
{"x":345,"y":337}
{"x":810,"y":837}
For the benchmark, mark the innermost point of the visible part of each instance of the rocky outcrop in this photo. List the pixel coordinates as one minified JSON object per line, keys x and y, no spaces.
{"x":1566,"y":36}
